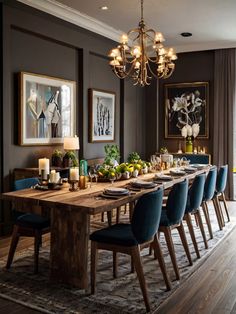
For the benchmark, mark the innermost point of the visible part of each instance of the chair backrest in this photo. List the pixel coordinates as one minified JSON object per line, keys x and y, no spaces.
{"x":195,"y":193}
{"x":176,"y":202}
{"x":210,"y":184}
{"x":146,"y":216}
{"x":25,"y":183}
{"x":221,"y":179}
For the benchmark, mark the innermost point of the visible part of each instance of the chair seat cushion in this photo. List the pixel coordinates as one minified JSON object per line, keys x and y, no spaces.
{"x":32,"y":221}
{"x":119,"y":234}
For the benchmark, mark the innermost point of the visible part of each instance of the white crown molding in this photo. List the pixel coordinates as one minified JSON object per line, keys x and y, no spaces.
{"x":75,"y":17}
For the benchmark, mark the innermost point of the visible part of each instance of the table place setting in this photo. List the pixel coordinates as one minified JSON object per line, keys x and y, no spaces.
{"x":199,"y":166}
{"x":115,"y":193}
{"x":177,"y":172}
{"x":143,"y":184}
{"x":162,"y":177}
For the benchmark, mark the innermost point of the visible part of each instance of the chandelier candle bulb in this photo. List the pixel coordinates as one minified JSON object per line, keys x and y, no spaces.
{"x":43,"y":164}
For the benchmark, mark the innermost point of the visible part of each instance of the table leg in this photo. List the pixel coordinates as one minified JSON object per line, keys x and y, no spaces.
{"x":69,"y":247}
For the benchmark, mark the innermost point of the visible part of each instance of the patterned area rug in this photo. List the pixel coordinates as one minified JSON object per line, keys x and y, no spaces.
{"x":121,"y":295}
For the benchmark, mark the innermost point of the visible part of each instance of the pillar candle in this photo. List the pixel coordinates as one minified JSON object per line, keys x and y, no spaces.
{"x":74,"y":174}
{"x":44,"y":165}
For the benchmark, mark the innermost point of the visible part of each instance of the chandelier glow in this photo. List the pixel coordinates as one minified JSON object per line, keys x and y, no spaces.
{"x":146,"y":57}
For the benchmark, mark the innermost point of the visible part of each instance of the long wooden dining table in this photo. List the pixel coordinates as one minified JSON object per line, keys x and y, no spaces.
{"x":70,"y":214}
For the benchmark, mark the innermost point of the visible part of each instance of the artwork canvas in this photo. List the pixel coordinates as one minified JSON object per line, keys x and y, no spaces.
{"x":47,"y":109}
{"x":186,"y":104}
{"x":101,"y":116}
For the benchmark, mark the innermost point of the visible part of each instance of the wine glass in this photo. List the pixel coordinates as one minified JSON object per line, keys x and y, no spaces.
{"x":112,"y":177}
{"x":92,"y":174}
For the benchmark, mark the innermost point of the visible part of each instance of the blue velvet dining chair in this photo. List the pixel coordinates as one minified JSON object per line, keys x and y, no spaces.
{"x":194,"y":201}
{"x":131,"y":238}
{"x":208,"y":195}
{"x":221,"y":182}
{"x":171,"y":218}
{"x":27,"y":225}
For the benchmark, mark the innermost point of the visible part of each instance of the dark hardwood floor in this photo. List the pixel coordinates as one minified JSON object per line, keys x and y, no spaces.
{"x":211,"y":289}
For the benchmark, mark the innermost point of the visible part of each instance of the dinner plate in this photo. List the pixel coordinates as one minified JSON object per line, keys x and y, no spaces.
{"x":199,"y":166}
{"x":177,"y":172}
{"x":189,"y":169}
{"x":163,"y":177}
{"x":144,"y":184}
{"x":116,"y":191}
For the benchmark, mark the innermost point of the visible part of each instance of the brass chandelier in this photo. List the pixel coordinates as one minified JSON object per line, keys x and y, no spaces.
{"x":144,"y":58}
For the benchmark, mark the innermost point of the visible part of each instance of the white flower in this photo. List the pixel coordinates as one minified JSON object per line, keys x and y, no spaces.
{"x":189,"y":130}
{"x":184,"y":131}
{"x":180,"y":103}
{"x":195,"y":129}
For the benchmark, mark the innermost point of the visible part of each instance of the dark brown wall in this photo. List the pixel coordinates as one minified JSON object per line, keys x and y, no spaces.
{"x":190,"y":67}
{"x":36,"y":42}
{"x":39,"y":43}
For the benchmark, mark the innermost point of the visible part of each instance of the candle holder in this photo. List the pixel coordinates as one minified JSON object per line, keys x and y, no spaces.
{"x":74,"y":185}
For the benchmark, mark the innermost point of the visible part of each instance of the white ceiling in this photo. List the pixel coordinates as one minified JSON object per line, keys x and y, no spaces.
{"x":212,"y":22}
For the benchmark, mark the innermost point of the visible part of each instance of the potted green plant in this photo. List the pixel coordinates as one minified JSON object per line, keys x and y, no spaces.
{"x":70,"y":159}
{"x":57,"y":158}
{"x":112,"y":154}
{"x":133,"y":158}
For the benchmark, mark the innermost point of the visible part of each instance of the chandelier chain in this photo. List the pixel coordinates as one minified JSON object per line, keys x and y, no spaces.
{"x":141,"y":10}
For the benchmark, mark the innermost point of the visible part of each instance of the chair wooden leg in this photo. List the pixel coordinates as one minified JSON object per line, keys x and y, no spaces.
{"x":102,"y":218}
{"x":159,"y":255}
{"x":188,"y":219}
{"x":125,"y":209}
{"x":207,"y":218}
{"x":94,"y":258}
{"x":170,"y":245}
{"x":220,"y":211}
{"x":217,"y":213}
{"x":14,"y":241}
{"x":225,"y":206}
{"x":182,"y":235}
{"x":199,"y":218}
{"x":37,"y":241}
{"x":109,"y":217}
{"x":135,"y":253}
{"x":118,"y":210}
{"x":131,"y":210}
{"x":114,"y":264}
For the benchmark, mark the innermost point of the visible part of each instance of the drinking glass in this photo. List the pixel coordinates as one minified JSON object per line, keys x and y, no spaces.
{"x":92,"y":174}
{"x":112,"y":178}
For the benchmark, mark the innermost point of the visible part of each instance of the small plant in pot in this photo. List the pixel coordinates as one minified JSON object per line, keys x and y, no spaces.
{"x":112,"y":155}
{"x":70,"y":160}
{"x":133,"y":158}
{"x":57,"y":158}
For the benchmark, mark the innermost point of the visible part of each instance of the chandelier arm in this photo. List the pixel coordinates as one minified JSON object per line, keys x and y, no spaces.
{"x":150,"y":69}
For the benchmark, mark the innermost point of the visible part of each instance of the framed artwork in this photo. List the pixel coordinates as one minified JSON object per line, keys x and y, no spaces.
{"x":47,"y":109}
{"x":101,"y":116}
{"x":186,"y":104}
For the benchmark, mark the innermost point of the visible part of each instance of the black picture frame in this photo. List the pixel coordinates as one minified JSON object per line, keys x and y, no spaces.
{"x":186,"y":103}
